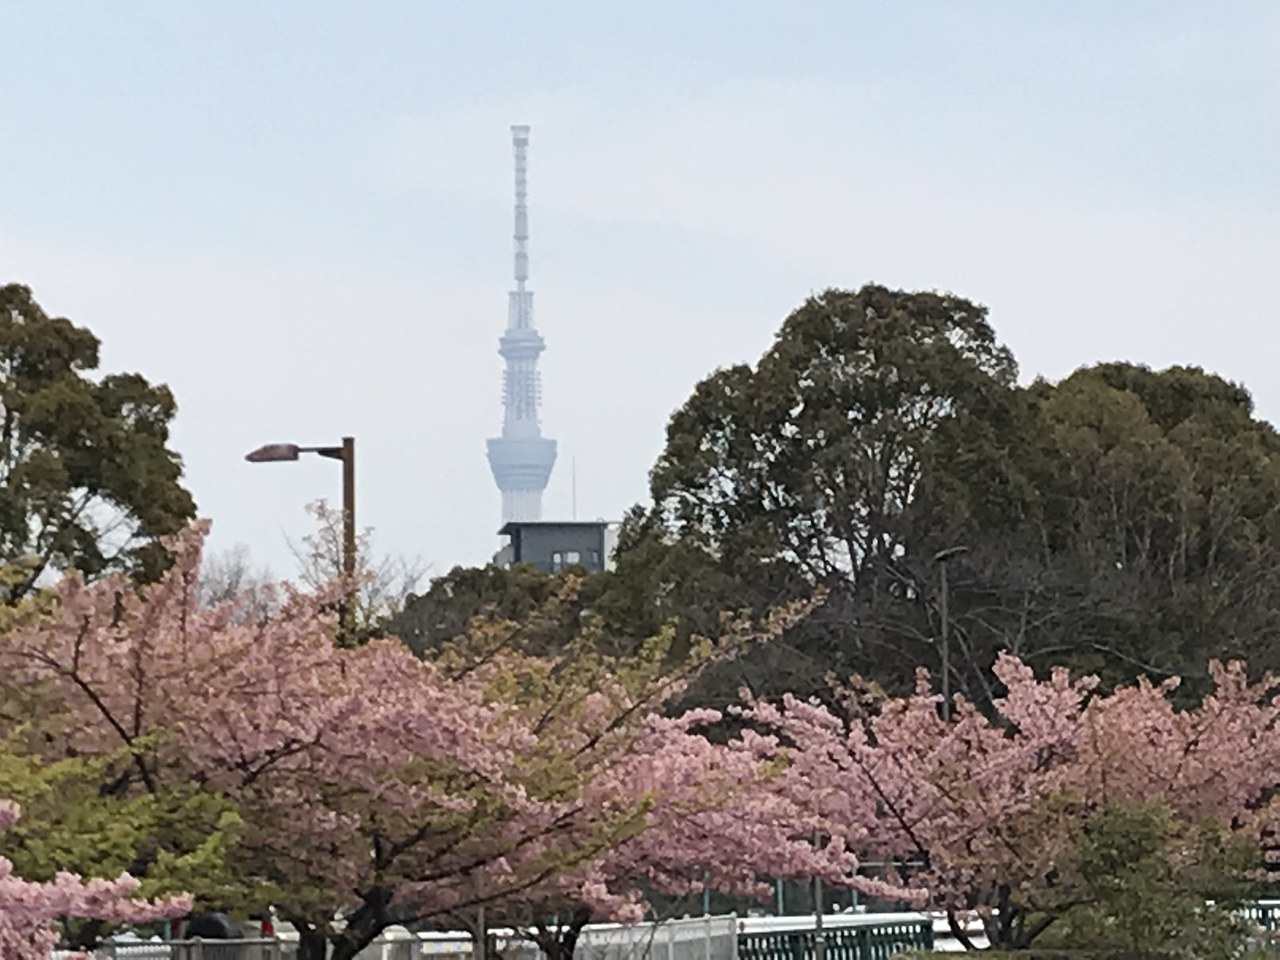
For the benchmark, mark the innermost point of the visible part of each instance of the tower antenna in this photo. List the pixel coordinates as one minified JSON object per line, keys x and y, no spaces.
{"x":520,"y":143}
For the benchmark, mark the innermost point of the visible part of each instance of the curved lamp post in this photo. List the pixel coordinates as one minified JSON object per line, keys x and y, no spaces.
{"x":276,"y":452}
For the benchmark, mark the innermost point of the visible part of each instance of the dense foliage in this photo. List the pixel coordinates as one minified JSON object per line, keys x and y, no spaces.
{"x":1122,"y":522}
{"x":1057,"y":808}
{"x":29,"y":911}
{"x":87,"y":479}
{"x":255,"y":762}
{"x":565,"y":746}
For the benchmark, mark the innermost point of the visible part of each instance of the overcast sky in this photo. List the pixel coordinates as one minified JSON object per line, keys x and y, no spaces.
{"x":298,"y":214}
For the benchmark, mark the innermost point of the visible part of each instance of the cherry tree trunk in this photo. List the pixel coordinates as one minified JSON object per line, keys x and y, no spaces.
{"x":560,"y":943}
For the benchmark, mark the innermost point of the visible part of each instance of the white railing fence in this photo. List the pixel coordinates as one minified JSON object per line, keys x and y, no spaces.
{"x":696,"y":938}
{"x":192,"y":950}
{"x":700,"y":938}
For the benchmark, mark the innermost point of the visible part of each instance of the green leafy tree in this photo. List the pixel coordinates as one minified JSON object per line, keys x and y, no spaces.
{"x":550,"y":608}
{"x":87,"y":479}
{"x":1122,"y":522}
{"x":803,"y":472}
{"x":1148,"y":886}
{"x":811,"y":459}
{"x":174,"y":841}
{"x":75,"y":819}
{"x":1148,"y":542}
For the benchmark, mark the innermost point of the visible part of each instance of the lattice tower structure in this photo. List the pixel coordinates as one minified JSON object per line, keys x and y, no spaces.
{"x":522,"y":458}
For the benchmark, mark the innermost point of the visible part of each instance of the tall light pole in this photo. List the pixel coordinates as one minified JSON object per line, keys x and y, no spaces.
{"x":819,"y":933}
{"x":819,"y":929}
{"x":941,"y":558}
{"x":276,"y":452}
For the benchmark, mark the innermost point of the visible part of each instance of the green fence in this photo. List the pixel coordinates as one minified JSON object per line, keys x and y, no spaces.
{"x":870,"y":942}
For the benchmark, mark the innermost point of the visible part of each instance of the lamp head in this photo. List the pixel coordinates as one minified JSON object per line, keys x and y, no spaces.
{"x":271,"y":452}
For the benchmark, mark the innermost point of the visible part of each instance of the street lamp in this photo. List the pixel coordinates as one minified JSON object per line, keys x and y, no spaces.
{"x":275,"y":452}
{"x":941,"y":558}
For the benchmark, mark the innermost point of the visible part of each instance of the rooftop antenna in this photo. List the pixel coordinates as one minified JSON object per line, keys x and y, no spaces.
{"x":573,"y":472}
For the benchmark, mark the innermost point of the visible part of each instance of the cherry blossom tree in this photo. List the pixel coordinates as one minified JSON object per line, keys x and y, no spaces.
{"x":991,"y":807}
{"x":345,"y":766}
{"x":715,"y":817}
{"x":369,"y":787}
{"x":29,"y":912}
{"x":697,"y":810}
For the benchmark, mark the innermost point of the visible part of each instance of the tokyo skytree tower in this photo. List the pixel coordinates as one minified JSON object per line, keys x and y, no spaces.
{"x":521,"y":459}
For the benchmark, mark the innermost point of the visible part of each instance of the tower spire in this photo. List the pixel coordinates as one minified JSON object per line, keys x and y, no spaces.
{"x":520,"y":142}
{"x":521,"y":459}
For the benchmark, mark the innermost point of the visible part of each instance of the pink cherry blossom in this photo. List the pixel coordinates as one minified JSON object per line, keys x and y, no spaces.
{"x":384,"y":787}
{"x":969,"y":800}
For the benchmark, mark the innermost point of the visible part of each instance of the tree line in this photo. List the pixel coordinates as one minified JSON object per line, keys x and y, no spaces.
{"x":751,"y":693}
{"x":1122,"y":522}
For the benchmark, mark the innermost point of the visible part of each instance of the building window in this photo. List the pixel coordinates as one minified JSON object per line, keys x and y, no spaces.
{"x":564,"y":558}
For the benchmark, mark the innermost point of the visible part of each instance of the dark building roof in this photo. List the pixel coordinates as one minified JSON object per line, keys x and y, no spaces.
{"x":512,"y":526}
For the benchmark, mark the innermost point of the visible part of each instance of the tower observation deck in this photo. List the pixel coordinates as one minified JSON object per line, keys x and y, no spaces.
{"x":521,"y":459}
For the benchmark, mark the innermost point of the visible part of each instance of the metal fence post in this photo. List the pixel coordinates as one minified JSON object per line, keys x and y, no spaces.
{"x":819,"y":934}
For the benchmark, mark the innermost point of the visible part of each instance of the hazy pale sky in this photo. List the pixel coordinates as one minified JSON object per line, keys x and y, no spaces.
{"x":298,"y":214}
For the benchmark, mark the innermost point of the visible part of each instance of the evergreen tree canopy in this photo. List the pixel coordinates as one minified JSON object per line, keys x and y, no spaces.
{"x":1123,"y":521}
{"x":87,"y":479}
